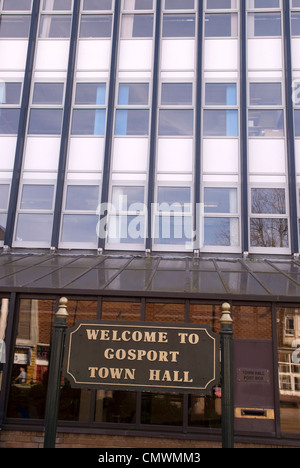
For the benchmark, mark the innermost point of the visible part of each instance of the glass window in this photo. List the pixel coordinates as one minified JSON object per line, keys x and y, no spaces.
{"x":27,"y":399}
{"x":15,"y":5}
{"x":45,"y":122}
{"x":127,"y":215}
{"x":95,"y":26}
{"x":265,"y":94}
{"x":179,"y":5}
{"x":88,"y":122}
{"x":97,"y":5}
{"x":220,"y":94}
{"x":57,"y":5}
{"x":4,"y":192}
{"x":137,"y":26}
{"x":138,"y":5}
{"x":218,"y":229}
{"x":10,"y":92}
{"x":133,"y":94}
{"x":48,"y":93}
{"x":264,"y":24}
{"x":132,"y":122}
{"x":9,"y":121}
{"x":221,"y":25}
{"x":178,"y":26}
{"x":288,"y":331}
{"x":220,"y":123}
{"x":90,"y":93}
{"x":79,"y":228}
{"x":14,"y":26}
{"x":33,"y":227}
{"x":173,"y":221}
{"x":55,"y":26}
{"x":176,"y":93}
{"x":176,"y":122}
{"x":265,"y":123}
{"x":82,"y":197}
{"x":37,"y":197}
{"x":269,"y":225}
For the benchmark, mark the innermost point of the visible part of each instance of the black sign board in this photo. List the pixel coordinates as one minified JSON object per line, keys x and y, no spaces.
{"x":148,"y":357}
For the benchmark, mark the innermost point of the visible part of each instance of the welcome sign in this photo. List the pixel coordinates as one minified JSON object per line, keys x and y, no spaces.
{"x":143,"y":357}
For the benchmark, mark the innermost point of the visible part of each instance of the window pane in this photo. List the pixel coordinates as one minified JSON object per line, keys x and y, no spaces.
{"x":14,"y":5}
{"x":221,"y":232}
{"x":82,"y":197}
{"x":96,"y":26}
{"x":132,"y":122}
{"x":174,"y":199}
{"x":79,"y":228}
{"x":57,"y":5}
{"x":34,"y":227}
{"x":97,"y":5}
{"x":221,"y":25}
{"x":220,"y":94}
{"x":133,"y":94}
{"x":55,"y":26}
{"x":90,"y":93}
{"x":264,"y":24}
{"x":173,"y":230}
{"x":220,"y":200}
{"x":45,"y":121}
{"x":268,"y":201}
{"x":137,"y":26}
{"x":176,"y":93}
{"x":265,"y":123}
{"x":88,"y":122}
{"x":268,"y":232}
{"x":220,"y":123}
{"x":179,"y":26}
{"x":127,"y":198}
{"x":4,"y":192}
{"x":176,"y":122}
{"x":14,"y":26}
{"x":48,"y":93}
{"x":265,"y":94}
{"x":10,"y":93}
{"x":9,"y":121}
{"x":127,"y":229}
{"x":37,"y":197}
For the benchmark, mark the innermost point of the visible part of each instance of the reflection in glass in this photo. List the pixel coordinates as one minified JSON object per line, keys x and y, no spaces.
{"x":31,"y":362}
{"x":288,"y":332}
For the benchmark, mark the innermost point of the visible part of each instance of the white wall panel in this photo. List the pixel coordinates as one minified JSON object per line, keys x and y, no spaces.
{"x":175,"y":155}
{"x":221,"y":54}
{"x":130,"y":154}
{"x":7,"y":152}
{"x":135,"y":55}
{"x":178,"y":55}
{"x":220,"y":156}
{"x":86,"y":154}
{"x":42,"y":154}
{"x":267,"y":156}
{"x":93,"y":55}
{"x":52,"y":55}
{"x":13,"y":55}
{"x":264,"y":54}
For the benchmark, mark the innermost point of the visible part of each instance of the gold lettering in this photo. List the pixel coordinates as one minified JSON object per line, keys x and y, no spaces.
{"x":92,"y":334}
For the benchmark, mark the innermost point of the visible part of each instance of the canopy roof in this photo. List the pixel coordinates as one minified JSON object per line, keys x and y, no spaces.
{"x":152,"y":275}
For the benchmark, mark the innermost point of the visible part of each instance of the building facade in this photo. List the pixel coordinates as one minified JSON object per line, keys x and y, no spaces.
{"x":149,"y":172}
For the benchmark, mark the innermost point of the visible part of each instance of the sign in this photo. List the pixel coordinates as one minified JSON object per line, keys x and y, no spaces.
{"x":148,"y":357}
{"x":254,"y":376}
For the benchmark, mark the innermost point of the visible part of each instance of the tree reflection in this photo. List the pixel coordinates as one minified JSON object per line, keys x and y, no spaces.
{"x":269,"y":231}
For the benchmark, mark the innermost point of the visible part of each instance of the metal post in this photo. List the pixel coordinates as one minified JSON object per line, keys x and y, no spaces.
{"x":53,"y":390}
{"x":227,"y":379}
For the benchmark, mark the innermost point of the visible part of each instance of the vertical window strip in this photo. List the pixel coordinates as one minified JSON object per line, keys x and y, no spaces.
{"x":12,"y":208}
{"x":65,"y":127}
{"x":110,"y":114}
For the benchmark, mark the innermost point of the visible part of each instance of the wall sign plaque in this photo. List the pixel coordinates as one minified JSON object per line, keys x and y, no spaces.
{"x":148,"y":357}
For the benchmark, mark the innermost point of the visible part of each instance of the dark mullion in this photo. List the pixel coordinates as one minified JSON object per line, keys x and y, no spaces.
{"x":153,"y":129}
{"x":244,"y":129}
{"x":198,"y":126}
{"x":110,"y":118}
{"x":290,"y":128}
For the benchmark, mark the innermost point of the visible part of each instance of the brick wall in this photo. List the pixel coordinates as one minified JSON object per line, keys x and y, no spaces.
{"x":30,"y":439}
